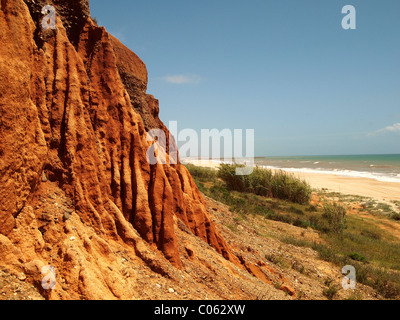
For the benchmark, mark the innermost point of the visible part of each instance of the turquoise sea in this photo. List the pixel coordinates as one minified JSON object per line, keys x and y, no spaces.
{"x":378,"y":167}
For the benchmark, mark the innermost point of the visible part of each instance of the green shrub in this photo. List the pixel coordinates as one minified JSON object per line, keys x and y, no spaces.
{"x":312,"y":208}
{"x":201,"y":172}
{"x":265,"y":182}
{"x":357,"y":257}
{"x":286,"y":186}
{"x":234,"y":182}
{"x":372,"y":234}
{"x":336,"y":216}
{"x":301,"y":223}
{"x":318,"y":223}
{"x":330,"y":292}
{"x":296,"y":210}
{"x":395,"y":216}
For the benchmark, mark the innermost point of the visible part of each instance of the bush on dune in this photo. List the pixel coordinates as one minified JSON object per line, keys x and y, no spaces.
{"x":265,"y":182}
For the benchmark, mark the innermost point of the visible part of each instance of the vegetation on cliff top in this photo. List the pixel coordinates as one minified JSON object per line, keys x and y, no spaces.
{"x":348,"y":239}
{"x":262,"y":182}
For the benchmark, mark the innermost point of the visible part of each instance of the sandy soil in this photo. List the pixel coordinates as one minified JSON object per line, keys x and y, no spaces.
{"x":381,"y":191}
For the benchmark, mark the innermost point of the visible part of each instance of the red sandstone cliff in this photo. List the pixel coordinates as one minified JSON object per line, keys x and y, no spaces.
{"x":75,"y":185}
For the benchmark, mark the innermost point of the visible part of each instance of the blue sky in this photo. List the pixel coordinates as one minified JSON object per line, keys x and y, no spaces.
{"x":286,"y":69}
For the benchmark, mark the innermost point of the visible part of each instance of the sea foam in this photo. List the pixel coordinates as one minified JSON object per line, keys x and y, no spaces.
{"x":343,"y":173}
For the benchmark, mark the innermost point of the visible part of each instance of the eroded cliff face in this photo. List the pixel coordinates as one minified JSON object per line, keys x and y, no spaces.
{"x":75,"y":183}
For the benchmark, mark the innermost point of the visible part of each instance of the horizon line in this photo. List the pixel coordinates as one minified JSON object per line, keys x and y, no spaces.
{"x":329,"y":155}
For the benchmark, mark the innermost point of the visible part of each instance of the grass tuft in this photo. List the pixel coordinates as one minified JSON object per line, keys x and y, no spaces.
{"x":266,"y":183}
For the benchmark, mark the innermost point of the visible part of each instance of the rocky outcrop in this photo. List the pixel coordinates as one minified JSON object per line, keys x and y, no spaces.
{"x":75,"y":115}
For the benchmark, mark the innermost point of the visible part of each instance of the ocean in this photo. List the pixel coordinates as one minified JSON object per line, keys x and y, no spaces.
{"x":378,"y":167}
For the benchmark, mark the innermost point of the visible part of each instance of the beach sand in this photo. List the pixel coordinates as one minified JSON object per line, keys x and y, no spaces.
{"x":381,"y":191}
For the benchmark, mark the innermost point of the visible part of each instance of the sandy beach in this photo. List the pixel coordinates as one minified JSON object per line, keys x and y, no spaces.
{"x":378,"y":190}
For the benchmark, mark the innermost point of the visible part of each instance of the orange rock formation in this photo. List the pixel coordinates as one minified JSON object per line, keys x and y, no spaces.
{"x":74,"y":117}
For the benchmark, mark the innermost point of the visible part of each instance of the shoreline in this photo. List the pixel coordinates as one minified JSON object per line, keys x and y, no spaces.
{"x":365,"y":187}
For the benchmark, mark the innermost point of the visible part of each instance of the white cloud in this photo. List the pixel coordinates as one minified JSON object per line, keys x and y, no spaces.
{"x":183,"y":79}
{"x":394,"y":129}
